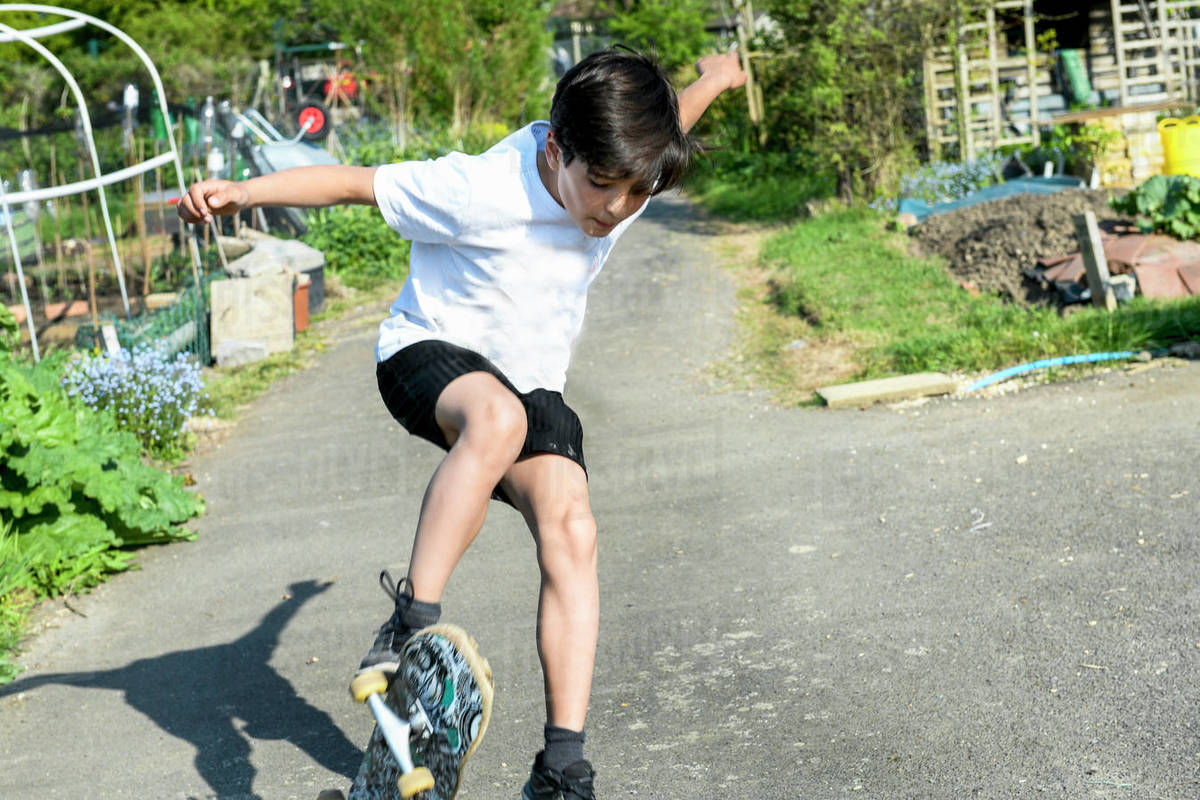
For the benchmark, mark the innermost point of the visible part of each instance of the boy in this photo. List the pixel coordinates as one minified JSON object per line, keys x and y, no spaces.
{"x":473,"y":356}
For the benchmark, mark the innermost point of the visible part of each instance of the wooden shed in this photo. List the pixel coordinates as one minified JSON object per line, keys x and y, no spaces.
{"x":1020,"y":65}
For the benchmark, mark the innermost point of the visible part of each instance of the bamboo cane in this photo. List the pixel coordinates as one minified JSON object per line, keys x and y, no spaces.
{"x":139,"y":209}
{"x":79,"y":271}
{"x":162,"y":214}
{"x":58,"y":251}
{"x":91,"y":264}
{"x":41,"y":262}
{"x":122,"y":249}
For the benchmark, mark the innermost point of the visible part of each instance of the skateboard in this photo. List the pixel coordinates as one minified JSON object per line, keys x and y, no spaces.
{"x":428,"y":722}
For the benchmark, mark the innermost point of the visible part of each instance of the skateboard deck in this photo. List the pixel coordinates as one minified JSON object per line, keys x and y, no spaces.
{"x":443,"y":690}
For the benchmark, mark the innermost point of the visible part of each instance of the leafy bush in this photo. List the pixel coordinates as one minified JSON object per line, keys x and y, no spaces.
{"x":148,"y":394}
{"x":14,"y":599}
{"x":370,"y":144}
{"x":10,"y":333}
{"x":359,"y":246}
{"x":673,"y":30}
{"x":757,"y":186}
{"x":1074,"y":149}
{"x":73,"y":487}
{"x":1166,"y":203}
{"x":843,"y":84}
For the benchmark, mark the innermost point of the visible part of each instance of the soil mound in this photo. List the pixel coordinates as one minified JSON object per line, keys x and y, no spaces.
{"x":990,"y":245}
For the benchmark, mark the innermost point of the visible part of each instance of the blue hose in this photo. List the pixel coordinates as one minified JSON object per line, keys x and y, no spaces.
{"x":1061,"y":361}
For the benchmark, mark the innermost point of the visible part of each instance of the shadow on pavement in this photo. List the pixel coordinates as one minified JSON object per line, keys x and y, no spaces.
{"x":684,"y":217}
{"x":197,"y":695}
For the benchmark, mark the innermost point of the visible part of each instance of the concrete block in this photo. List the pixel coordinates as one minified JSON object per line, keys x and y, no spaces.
{"x":273,"y":255}
{"x":256,"y":309}
{"x":234,"y":247}
{"x":902,"y":388}
{"x":237,"y":352}
{"x":254,"y":237}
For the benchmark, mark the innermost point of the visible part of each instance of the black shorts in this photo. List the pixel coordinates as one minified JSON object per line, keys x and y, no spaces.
{"x":412,"y":380}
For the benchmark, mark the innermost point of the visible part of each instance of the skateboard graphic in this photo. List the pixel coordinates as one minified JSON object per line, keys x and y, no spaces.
{"x":427,"y":723}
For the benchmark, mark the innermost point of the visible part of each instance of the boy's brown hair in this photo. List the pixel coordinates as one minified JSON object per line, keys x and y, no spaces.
{"x":616,"y":111}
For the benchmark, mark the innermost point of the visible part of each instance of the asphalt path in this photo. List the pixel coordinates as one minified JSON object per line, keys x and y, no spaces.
{"x":992,"y":598}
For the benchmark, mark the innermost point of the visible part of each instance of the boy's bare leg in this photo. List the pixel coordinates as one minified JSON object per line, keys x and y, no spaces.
{"x":552,"y":493}
{"x":484,"y":422}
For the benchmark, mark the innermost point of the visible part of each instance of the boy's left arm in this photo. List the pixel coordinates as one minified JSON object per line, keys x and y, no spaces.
{"x":718,"y":73}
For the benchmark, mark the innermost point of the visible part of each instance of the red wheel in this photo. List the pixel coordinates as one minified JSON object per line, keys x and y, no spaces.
{"x":313,"y":115}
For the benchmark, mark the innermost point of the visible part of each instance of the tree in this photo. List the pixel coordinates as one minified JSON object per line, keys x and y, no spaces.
{"x":448,"y":64}
{"x":459,"y":61}
{"x":844,"y":83}
{"x":673,"y":30}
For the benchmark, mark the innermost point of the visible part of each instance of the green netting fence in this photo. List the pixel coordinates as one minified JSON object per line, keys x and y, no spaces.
{"x":179,"y":327}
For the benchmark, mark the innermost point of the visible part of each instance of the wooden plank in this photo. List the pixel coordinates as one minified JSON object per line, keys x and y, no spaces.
{"x":1119,"y":47}
{"x":1115,"y":111}
{"x":1144,"y":80}
{"x":1094,"y":262}
{"x":931,"y":109}
{"x":1134,"y":63}
{"x":993,"y":77}
{"x":966,"y":144}
{"x":1165,"y":66}
{"x":1032,"y":72}
{"x":854,"y":395}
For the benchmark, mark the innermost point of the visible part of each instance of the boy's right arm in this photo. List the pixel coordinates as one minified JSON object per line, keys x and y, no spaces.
{"x":305,"y":187}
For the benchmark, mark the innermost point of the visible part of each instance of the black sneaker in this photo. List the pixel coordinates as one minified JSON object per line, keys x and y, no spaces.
{"x":576,"y":782}
{"x":384,"y":654}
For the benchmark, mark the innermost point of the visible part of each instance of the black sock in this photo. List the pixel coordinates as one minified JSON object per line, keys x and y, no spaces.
{"x":563,"y":748}
{"x":417,"y":614}
{"x":420,"y":614}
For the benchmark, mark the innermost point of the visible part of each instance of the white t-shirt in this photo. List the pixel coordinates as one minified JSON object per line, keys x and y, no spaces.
{"x":497,"y":266}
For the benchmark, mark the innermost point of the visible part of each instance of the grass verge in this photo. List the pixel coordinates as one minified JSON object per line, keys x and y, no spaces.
{"x":842,"y":287}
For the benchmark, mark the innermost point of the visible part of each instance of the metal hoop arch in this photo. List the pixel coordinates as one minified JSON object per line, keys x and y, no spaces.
{"x":77,"y":19}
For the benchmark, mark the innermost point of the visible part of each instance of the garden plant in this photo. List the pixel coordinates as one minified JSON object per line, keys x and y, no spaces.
{"x":147,"y":393}
{"x":76,"y":493}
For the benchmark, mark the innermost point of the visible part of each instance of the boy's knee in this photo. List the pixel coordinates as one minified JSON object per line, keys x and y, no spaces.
{"x":503,"y":418}
{"x":568,"y":539}
{"x":496,"y":424}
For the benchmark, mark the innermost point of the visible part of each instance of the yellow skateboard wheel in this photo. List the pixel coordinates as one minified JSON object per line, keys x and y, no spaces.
{"x":419,"y":780}
{"x":367,"y":684}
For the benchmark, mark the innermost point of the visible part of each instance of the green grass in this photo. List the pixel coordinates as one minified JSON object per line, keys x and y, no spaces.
{"x":761,"y":187}
{"x":849,"y":277}
{"x":15,"y":602}
{"x":232,"y":389}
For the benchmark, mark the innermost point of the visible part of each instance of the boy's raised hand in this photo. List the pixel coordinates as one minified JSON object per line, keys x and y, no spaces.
{"x":719,"y":73}
{"x":726,"y":68}
{"x":206,"y":198}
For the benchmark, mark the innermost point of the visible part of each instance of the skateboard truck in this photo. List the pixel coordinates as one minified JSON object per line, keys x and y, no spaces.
{"x":370,"y":688}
